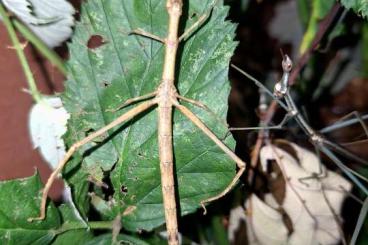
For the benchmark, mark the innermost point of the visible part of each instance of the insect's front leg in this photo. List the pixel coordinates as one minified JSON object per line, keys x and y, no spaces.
{"x":147,"y":34}
{"x":202,"y":19}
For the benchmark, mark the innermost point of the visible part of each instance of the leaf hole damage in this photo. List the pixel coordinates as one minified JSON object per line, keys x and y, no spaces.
{"x":95,"y":41}
{"x":105,"y":84}
{"x":124,"y":189}
{"x":193,"y":15}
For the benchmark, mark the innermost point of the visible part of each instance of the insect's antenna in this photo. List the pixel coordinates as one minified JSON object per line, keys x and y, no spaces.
{"x":282,"y":53}
{"x":260,"y":85}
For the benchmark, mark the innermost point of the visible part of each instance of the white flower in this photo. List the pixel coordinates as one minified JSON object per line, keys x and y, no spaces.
{"x":47,"y":124}
{"x":50,"y":20}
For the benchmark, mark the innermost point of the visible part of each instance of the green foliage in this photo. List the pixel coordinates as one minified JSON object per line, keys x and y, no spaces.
{"x":303,"y":11}
{"x":74,"y":230}
{"x":121,"y":239}
{"x":19,"y":200}
{"x":365,"y":49}
{"x":319,"y":9}
{"x":76,"y":237}
{"x":360,"y":7}
{"x":126,"y":66}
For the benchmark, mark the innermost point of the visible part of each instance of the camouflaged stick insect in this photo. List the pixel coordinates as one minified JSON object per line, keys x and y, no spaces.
{"x":165,"y":97}
{"x":281,"y":91}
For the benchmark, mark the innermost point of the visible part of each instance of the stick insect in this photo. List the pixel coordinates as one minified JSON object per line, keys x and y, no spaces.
{"x":165,"y":97}
{"x":282,"y":91}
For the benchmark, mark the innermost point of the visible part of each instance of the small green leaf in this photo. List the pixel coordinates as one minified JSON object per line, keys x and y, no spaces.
{"x":20,"y":200}
{"x":304,"y":11}
{"x":75,"y":237}
{"x":121,"y":239}
{"x":123,"y":66}
{"x":319,"y":9}
{"x":360,"y":7}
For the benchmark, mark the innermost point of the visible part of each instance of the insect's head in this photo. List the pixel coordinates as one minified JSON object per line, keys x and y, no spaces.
{"x":287,"y":64}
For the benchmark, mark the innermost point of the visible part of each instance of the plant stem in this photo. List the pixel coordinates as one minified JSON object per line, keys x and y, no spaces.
{"x":220,"y":234}
{"x":95,"y":225}
{"x":49,"y":54}
{"x":22,"y":58}
{"x":322,"y":30}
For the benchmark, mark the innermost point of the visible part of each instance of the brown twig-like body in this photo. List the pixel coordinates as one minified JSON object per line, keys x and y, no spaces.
{"x":165,"y":138}
{"x":165,"y":97}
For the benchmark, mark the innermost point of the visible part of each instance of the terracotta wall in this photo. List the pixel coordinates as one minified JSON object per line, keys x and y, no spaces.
{"x":17,"y":156}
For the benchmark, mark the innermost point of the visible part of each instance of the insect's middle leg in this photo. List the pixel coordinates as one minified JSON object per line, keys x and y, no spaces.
{"x":344,"y":122}
{"x":204,"y":107}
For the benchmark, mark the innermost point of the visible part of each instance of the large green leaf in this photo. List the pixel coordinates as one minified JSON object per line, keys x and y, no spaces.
{"x":74,"y":230}
{"x":124,"y":66}
{"x":75,"y":237}
{"x":360,"y":7}
{"x":19,"y":200}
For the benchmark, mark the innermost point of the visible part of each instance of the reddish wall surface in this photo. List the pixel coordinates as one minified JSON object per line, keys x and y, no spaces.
{"x":17,"y":156}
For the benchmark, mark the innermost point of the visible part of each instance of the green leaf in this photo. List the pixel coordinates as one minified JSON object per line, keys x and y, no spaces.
{"x":360,"y":7}
{"x":19,"y":200}
{"x":304,"y":11}
{"x":319,"y":9}
{"x":75,"y":237}
{"x":126,"y":66}
{"x":122,"y":239}
{"x":364,"y":53}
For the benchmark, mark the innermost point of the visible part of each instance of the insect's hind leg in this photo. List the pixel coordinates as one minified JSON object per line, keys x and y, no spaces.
{"x":241,"y":165}
{"x":204,"y":107}
{"x":196,"y":25}
{"x":143,"y":33}
{"x":344,"y":122}
{"x":321,"y":171}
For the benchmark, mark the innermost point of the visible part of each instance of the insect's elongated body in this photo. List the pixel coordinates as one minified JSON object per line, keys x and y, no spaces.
{"x":167,"y":92}
{"x":166,"y":98}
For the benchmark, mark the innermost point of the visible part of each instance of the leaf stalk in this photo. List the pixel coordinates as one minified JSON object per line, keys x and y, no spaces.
{"x":36,"y":95}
